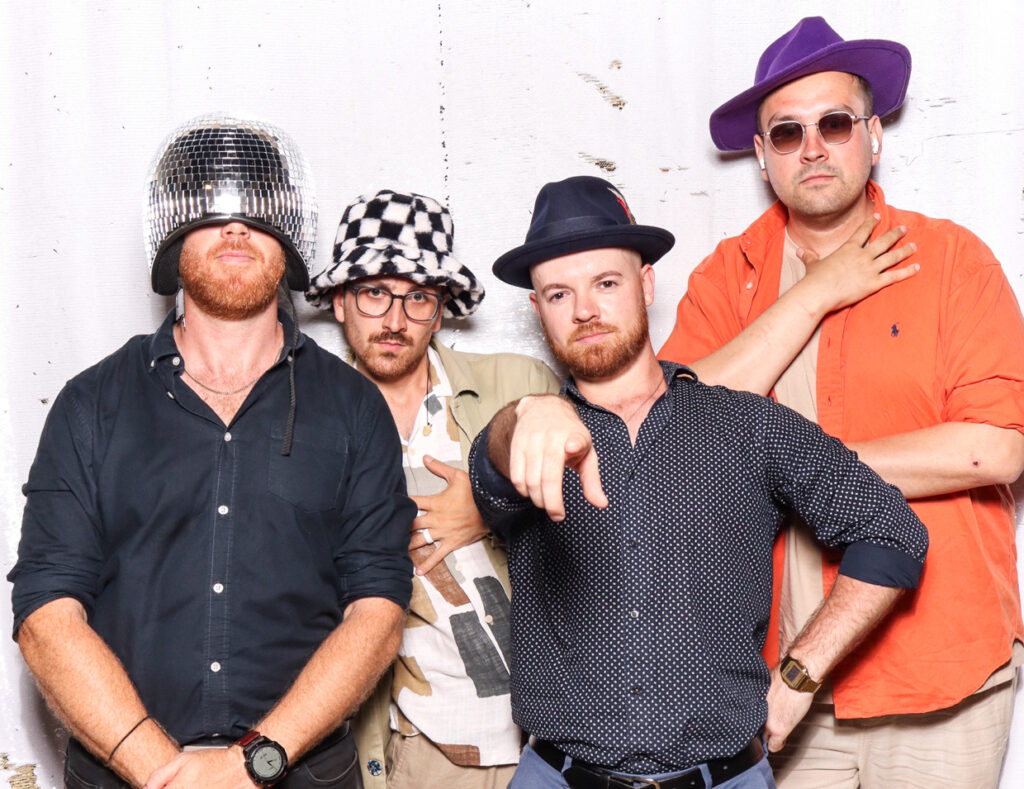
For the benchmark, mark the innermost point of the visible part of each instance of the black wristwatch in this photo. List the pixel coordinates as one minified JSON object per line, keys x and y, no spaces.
{"x":796,"y":675}
{"x":265,"y":760}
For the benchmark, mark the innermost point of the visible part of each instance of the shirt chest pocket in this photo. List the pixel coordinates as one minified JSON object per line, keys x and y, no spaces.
{"x":310,"y":477}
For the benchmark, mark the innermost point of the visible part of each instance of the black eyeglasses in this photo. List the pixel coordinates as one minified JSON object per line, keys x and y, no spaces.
{"x":418,"y":305}
{"x":835,"y":128}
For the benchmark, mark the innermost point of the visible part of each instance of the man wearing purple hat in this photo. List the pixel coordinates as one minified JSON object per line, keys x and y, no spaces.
{"x":639,"y":508}
{"x":924,"y":379}
{"x":442,"y":718}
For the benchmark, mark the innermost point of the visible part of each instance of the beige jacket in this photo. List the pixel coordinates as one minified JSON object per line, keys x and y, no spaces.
{"x":481,"y":385}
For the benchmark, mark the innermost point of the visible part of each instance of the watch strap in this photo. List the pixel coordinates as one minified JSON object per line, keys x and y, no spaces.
{"x":247,"y":738}
{"x":250,"y":743}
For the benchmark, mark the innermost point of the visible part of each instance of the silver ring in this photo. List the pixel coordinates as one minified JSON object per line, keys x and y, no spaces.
{"x":426,"y":536}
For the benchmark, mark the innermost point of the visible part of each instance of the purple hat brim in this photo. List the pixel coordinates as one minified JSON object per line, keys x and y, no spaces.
{"x":884,"y":64}
{"x":514,"y":266}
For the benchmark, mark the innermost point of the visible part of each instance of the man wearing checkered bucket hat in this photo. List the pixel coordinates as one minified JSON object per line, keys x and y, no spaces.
{"x":923,"y":378}
{"x":442,"y":718}
{"x":213,"y":569}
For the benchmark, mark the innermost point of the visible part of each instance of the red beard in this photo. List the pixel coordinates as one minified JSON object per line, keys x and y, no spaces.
{"x":231,"y":293}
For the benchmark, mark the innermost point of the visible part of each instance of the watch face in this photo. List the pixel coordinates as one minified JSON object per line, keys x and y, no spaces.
{"x":791,"y":673}
{"x":267,"y":762}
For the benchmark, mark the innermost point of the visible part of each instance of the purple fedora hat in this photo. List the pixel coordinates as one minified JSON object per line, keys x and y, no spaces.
{"x":811,"y":47}
{"x":575,"y":215}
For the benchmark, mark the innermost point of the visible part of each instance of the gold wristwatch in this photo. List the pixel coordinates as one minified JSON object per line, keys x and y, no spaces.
{"x":794,"y":674}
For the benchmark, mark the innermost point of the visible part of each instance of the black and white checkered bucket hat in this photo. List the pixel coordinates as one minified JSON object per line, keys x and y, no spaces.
{"x":398,"y":235}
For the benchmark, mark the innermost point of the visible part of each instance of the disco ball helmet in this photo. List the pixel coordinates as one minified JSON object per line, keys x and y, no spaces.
{"x":216,"y":169}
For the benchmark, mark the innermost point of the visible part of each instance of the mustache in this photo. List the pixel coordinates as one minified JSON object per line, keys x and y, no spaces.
{"x":235,"y":244}
{"x":389,"y":336}
{"x":590,"y":328}
{"x":816,"y":169}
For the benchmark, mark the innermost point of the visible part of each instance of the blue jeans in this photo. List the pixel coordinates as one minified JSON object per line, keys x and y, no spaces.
{"x":534,"y":773}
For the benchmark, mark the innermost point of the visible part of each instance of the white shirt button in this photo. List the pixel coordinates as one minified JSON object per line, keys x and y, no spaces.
{"x":223,"y":509}
{"x":215,"y":667}
{"x":488,"y":619}
{"x":170,"y":395}
{"x":227,"y":436}
{"x":750,"y":285}
{"x":218,"y":588}
{"x":634,"y":614}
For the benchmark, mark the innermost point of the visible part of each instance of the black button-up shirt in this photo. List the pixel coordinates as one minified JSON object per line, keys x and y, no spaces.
{"x":637,"y":629}
{"x":211,"y":564}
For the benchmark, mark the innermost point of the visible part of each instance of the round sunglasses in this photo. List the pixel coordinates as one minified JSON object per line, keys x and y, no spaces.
{"x":835,"y":128}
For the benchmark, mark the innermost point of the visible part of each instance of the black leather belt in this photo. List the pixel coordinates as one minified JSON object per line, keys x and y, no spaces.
{"x":582,"y":775}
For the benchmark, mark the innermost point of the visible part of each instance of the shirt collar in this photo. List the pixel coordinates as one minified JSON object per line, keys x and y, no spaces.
{"x":672,"y":371}
{"x":440,"y":385}
{"x":161,"y":344}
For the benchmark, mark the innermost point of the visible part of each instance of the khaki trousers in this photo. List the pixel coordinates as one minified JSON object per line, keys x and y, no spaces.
{"x":955,"y":748}
{"x":416,"y":763}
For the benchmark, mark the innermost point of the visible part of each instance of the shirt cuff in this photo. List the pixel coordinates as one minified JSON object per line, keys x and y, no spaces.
{"x":489,"y":480}
{"x":880,"y":565}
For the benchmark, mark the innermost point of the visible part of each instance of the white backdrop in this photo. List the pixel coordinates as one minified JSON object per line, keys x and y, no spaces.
{"x":475,"y":103}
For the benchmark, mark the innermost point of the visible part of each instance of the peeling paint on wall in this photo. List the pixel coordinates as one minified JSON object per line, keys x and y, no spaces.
{"x":24,"y":774}
{"x":616,"y":101}
{"x":605,"y":164}
{"x":446,"y":197}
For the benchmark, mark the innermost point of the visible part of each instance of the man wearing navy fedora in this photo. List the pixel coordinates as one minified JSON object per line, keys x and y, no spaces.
{"x":923,"y":379}
{"x":639,"y":507}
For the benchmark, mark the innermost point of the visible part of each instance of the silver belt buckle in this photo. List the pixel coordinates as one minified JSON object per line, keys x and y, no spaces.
{"x":633,"y":780}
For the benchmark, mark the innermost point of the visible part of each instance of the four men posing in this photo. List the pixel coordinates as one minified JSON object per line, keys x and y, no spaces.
{"x":214,"y":551}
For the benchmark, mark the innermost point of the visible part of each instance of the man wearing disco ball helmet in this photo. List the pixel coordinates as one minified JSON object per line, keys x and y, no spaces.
{"x":213,"y":565}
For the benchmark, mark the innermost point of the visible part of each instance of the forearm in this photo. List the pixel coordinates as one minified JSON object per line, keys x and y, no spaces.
{"x":499,"y":438}
{"x":338,"y":677}
{"x":945,"y":458}
{"x":753,"y":360}
{"x":88,"y":688}
{"x":756,"y":358}
{"x":849,"y":612}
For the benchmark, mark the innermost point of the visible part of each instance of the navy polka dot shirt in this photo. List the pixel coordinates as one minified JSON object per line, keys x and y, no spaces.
{"x":637,"y":629}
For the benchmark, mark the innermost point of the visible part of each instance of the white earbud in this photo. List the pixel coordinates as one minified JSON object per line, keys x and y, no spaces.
{"x":874,"y":145}
{"x":761,"y":162}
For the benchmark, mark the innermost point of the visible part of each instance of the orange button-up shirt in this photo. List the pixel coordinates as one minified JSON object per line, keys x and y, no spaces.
{"x":946,"y":345}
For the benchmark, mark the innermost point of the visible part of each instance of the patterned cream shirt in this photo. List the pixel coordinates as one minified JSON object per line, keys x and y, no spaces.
{"x":452,"y":673}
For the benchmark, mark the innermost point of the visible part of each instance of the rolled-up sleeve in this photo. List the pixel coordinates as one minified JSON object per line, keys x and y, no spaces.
{"x":846,"y":504}
{"x":372,"y":544}
{"x":982,"y":342}
{"x":60,"y":552}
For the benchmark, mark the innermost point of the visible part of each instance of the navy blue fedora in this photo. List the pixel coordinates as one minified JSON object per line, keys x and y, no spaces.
{"x":575,"y":215}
